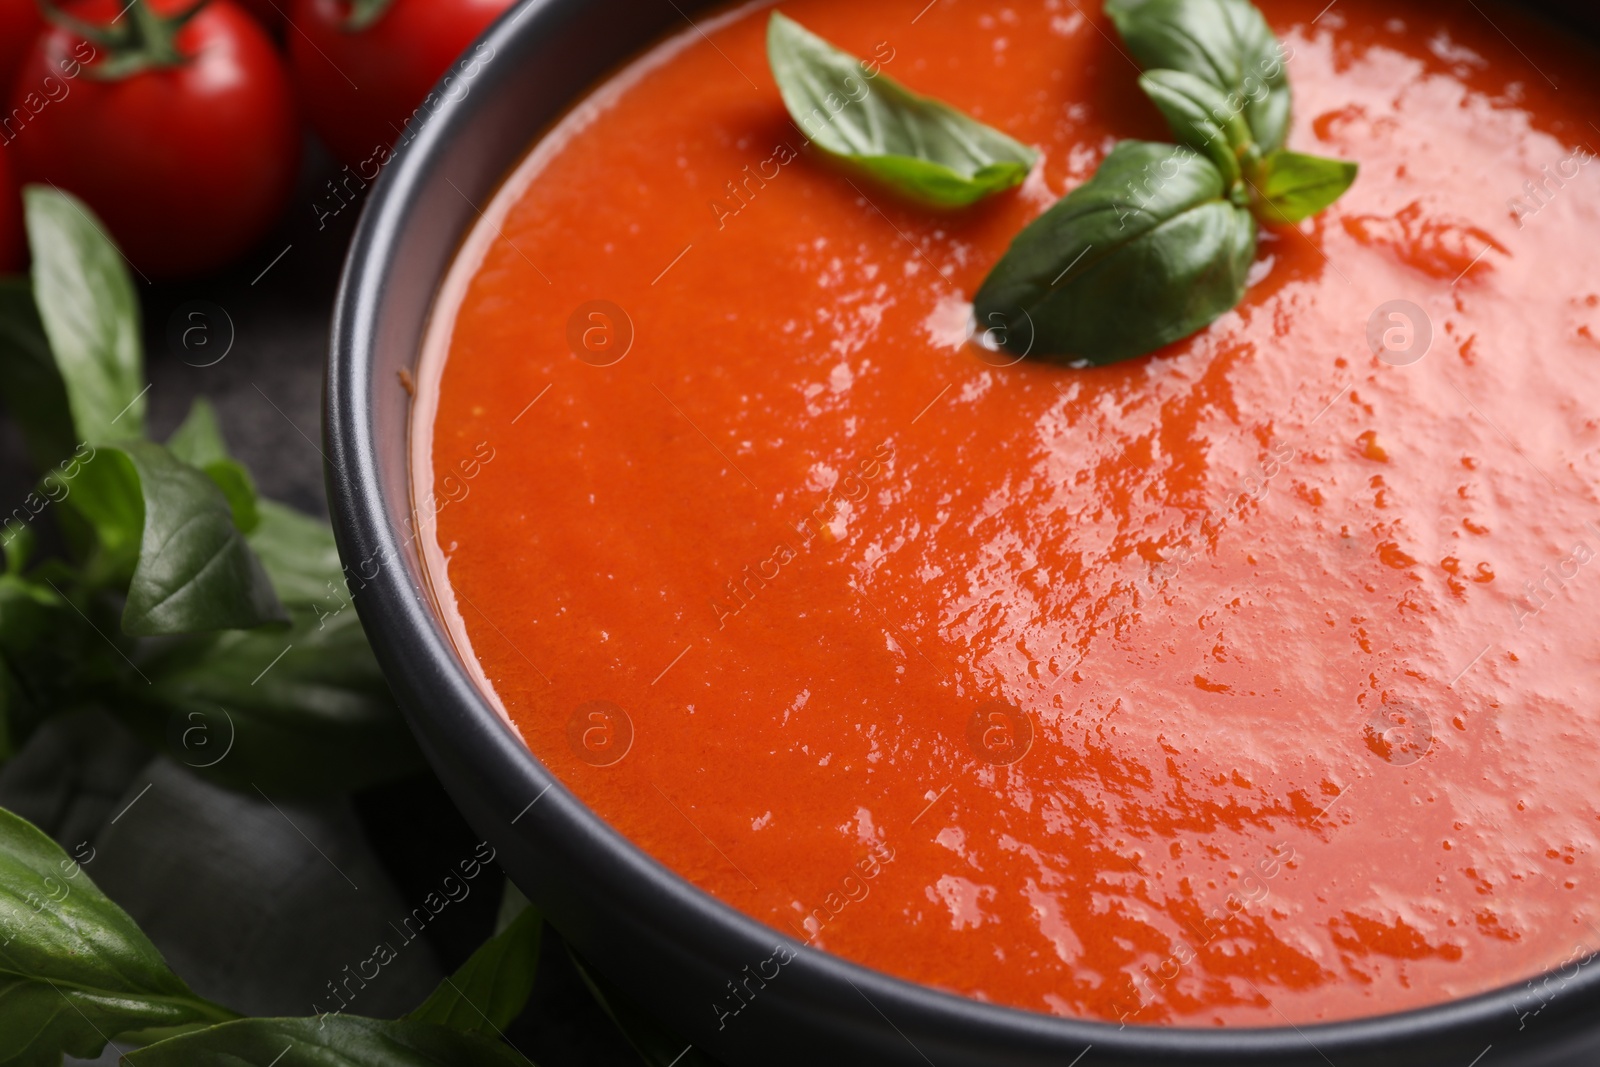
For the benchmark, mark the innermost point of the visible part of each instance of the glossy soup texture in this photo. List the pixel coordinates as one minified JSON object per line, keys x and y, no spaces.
{"x":1252,"y":682}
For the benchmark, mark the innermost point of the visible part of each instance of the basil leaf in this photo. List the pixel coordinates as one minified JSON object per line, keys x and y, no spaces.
{"x":302,"y":711}
{"x":1224,"y":42}
{"x":30,"y":385}
{"x":75,"y":970}
{"x":90,"y":314}
{"x":921,"y":148}
{"x":512,"y":905}
{"x":18,"y":544}
{"x":239,"y":489}
{"x":329,"y":1041}
{"x":25,"y":608}
{"x":490,"y":989}
{"x":198,"y":439}
{"x":1293,"y":186}
{"x":301,"y":557}
{"x":1144,"y":253}
{"x":198,"y":442}
{"x":1200,"y":118}
{"x":196,"y":572}
{"x":656,"y":1044}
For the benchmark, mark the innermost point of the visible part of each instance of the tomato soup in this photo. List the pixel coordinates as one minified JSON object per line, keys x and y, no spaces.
{"x":1249,"y":683}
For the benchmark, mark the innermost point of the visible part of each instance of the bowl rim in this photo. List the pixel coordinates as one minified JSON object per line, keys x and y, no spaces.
{"x":439,"y":696}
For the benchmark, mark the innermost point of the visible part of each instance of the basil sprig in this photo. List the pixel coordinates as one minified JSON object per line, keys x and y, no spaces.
{"x":1227,"y":43}
{"x":920,"y":147}
{"x":77,"y":973}
{"x":1280,"y":186}
{"x":215,"y":623}
{"x":1158,"y":244}
{"x":218,"y":625}
{"x":296,"y":709}
{"x":74,"y":969}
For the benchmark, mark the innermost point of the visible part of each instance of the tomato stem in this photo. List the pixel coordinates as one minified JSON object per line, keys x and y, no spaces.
{"x":364,"y":13}
{"x":98,"y":35}
{"x":136,"y":40}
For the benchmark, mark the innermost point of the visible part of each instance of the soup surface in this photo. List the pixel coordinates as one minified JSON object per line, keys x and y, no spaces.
{"x":1249,"y":683}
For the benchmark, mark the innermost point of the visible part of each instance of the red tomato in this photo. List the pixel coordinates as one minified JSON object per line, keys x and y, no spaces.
{"x":188,"y":163}
{"x":19,"y":25}
{"x":358,"y":87}
{"x":12,"y":244}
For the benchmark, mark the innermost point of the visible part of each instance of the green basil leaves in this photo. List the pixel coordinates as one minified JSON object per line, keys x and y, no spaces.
{"x":198,"y":442}
{"x":1158,"y":244}
{"x":1147,"y":251}
{"x":217,"y":624}
{"x":1281,"y":186}
{"x":74,"y":968}
{"x":489,"y":991}
{"x":1227,"y":43}
{"x":90,"y":314}
{"x":921,"y":148}
{"x":1200,"y":117}
{"x":1293,"y":186}
{"x":77,"y":973}
{"x":196,"y":572}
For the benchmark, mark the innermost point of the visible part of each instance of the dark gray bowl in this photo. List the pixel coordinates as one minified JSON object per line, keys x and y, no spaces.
{"x":667,"y":944}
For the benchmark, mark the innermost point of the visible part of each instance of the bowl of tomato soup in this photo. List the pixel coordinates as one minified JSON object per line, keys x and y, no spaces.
{"x":840,"y":687}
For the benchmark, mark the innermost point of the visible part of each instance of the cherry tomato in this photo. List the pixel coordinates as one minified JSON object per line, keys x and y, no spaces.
{"x":19,"y":25}
{"x":359,"y":86}
{"x":12,"y":243}
{"x":188,"y":159}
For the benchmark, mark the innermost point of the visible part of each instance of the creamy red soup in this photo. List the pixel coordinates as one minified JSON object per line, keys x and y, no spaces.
{"x":1253,"y":682}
